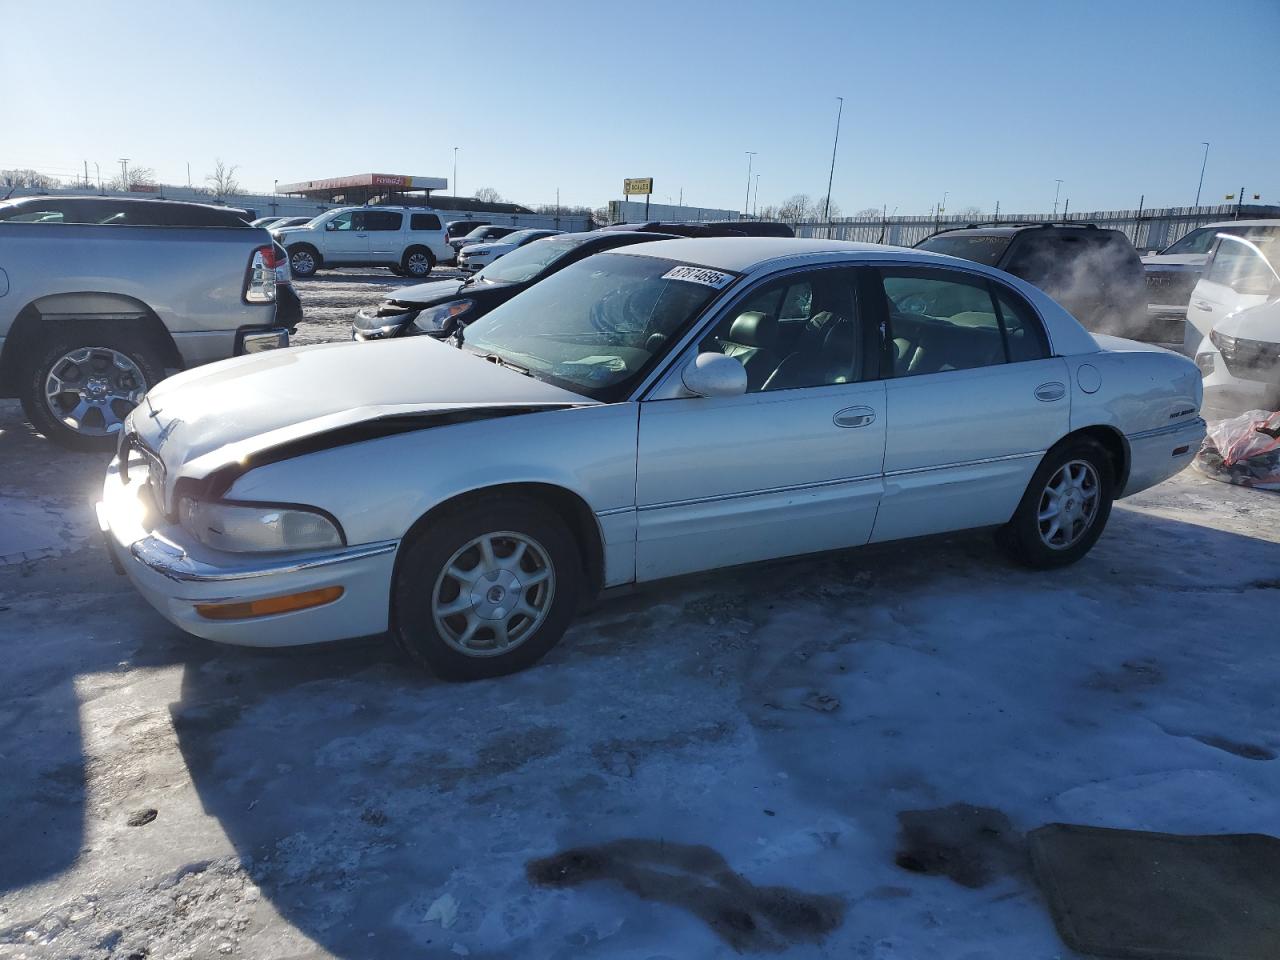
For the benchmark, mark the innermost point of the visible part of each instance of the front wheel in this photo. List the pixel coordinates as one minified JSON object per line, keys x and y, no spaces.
{"x":304,"y":261}
{"x":487,"y":589}
{"x":85,"y":381}
{"x":1065,"y":507}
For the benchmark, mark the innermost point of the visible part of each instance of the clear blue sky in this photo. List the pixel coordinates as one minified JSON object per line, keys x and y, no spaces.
{"x":985,"y":100}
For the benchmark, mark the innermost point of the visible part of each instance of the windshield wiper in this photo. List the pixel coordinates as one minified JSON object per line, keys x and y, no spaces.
{"x":504,"y":362}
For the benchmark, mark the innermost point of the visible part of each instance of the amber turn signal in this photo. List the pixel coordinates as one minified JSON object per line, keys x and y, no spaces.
{"x":265,"y":608}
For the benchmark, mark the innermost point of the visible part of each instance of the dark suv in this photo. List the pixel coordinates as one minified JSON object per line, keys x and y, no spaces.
{"x":1096,"y":274}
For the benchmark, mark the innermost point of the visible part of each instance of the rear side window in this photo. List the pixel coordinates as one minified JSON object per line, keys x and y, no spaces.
{"x":382,"y":220}
{"x":942,"y":320}
{"x":424,"y":221}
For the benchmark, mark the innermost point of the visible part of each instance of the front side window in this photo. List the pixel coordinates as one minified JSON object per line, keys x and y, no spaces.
{"x":1240,"y":267}
{"x":941,"y":321}
{"x":800,"y":331}
{"x":1197,"y":241}
{"x":343,"y":221}
{"x":599,"y":325}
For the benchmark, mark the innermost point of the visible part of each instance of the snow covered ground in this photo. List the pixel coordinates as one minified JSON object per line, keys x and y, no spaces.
{"x":737,"y":753}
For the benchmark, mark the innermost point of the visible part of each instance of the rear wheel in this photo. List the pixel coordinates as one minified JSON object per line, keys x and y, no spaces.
{"x":417,"y":262}
{"x":85,"y":381}
{"x":1065,"y":507}
{"x":487,"y":589}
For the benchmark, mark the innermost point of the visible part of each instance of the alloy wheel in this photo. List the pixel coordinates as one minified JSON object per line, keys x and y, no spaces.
{"x":493,"y":594}
{"x":92,"y":389}
{"x":418,"y":264}
{"x":1069,"y":504}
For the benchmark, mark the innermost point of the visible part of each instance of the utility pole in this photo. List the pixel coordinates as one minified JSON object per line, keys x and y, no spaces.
{"x":1056,"y":191}
{"x":746,"y":201}
{"x":826,"y":208}
{"x":997,"y":211}
{"x":124,"y":173}
{"x":97,"y":172}
{"x":86,"y":174}
{"x":1203,"y":164}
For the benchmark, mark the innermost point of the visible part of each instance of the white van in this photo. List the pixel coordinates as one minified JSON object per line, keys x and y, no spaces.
{"x":407,"y":240}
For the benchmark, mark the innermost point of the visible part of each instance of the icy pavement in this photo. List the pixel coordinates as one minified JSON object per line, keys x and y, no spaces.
{"x":764,"y":760}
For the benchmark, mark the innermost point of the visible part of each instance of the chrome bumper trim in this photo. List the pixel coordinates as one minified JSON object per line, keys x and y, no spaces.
{"x":173,"y":562}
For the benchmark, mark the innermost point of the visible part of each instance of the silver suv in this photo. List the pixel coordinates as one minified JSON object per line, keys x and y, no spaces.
{"x":407,"y":240}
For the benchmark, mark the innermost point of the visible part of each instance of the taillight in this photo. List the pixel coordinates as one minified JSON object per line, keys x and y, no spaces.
{"x":265,"y":267}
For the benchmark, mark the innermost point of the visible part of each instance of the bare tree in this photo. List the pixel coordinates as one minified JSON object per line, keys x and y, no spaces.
{"x":970,"y":213}
{"x":488,"y":195}
{"x":832,"y":210}
{"x":139,"y":178}
{"x":798,"y":206}
{"x":222,"y":182}
{"x":26,"y":178}
{"x":866,"y":212}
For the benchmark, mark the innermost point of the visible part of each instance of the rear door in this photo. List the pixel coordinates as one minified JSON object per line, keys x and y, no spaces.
{"x":1238,"y":274}
{"x":386,"y":240}
{"x":973,"y":400}
{"x":790,"y":467}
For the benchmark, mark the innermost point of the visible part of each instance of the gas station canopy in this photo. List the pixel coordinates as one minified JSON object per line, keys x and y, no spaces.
{"x":363,"y":187}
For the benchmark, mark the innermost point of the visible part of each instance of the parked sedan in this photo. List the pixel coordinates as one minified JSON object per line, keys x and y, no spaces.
{"x":437,"y":308}
{"x":477,"y":256}
{"x":661,"y":409}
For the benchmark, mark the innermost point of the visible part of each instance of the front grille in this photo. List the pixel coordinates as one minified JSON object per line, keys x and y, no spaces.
{"x":1169,"y":286}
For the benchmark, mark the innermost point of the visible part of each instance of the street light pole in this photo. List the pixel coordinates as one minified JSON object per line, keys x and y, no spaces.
{"x":826,"y":207}
{"x":755,"y":201}
{"x":746,"y":201}
{"x":1203,"y":164}
{"x":1056,"y":191}
{"x":124,"y":174}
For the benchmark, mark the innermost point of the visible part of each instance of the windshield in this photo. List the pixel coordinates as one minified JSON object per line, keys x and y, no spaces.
{"x":1199,"y":241}
{"x":530,"y":260}
{"x":598,"y":325}
{"x":520,"y":236}
{"x":980,"y":248}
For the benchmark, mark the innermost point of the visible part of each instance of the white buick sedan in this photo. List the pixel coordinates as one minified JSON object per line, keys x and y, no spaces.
{"x":667,"y":408}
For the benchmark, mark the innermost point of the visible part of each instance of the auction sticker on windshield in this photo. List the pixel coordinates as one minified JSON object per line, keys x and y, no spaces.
{"x":708,"y":278}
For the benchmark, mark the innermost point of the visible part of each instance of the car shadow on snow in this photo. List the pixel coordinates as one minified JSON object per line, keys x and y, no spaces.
{"x":384,"y":813}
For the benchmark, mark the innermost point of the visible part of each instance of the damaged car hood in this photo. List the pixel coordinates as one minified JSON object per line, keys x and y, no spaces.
{"x":426,"y":293}
{"x":232,"y":412}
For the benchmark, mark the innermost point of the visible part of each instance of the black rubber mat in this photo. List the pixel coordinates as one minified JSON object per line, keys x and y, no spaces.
{"x":1161,"y":896}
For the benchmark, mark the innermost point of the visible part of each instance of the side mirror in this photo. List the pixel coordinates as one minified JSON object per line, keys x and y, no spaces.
{"x":714,"y":375}
{"x":331,"y":225}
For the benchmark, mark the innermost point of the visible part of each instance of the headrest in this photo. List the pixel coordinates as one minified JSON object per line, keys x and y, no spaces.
{"x":754,"y":329}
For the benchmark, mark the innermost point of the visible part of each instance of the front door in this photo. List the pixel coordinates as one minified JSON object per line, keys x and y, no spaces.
{"x":793,"y":465}
{"x":974,"y":401}
{"x":346,"y":240}
{"x":1237,"y":275}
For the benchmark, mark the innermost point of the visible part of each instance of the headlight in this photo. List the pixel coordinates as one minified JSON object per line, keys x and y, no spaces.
{"x":434,"y":319}
{"x":255,"y":529}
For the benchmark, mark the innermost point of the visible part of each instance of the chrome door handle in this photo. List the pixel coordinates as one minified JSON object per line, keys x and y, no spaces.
{"x":1201,"y":305}
{"x":1051,"y":391}
{"x":854,"y":417}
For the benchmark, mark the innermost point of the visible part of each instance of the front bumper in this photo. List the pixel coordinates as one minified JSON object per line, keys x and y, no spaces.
{"x":174,"y":574}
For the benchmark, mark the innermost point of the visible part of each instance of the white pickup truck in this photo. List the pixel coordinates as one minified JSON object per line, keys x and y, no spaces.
{"x":407,"y":240}
{"x":101,"y":296}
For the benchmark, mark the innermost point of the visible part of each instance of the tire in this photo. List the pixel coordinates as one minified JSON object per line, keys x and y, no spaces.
{"x":304,"y":260}
{"x":418,"y":262}
{"x":1086,"y":503}
{"x":424,"y":591}
{"x":104,"y":371}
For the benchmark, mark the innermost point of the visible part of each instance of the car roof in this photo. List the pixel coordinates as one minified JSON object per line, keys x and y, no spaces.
{"x":1241,"y":223}
{"x":741,"y":254}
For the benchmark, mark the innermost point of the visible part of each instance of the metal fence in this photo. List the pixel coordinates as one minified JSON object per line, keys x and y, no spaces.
{"x":1152,"y":229}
